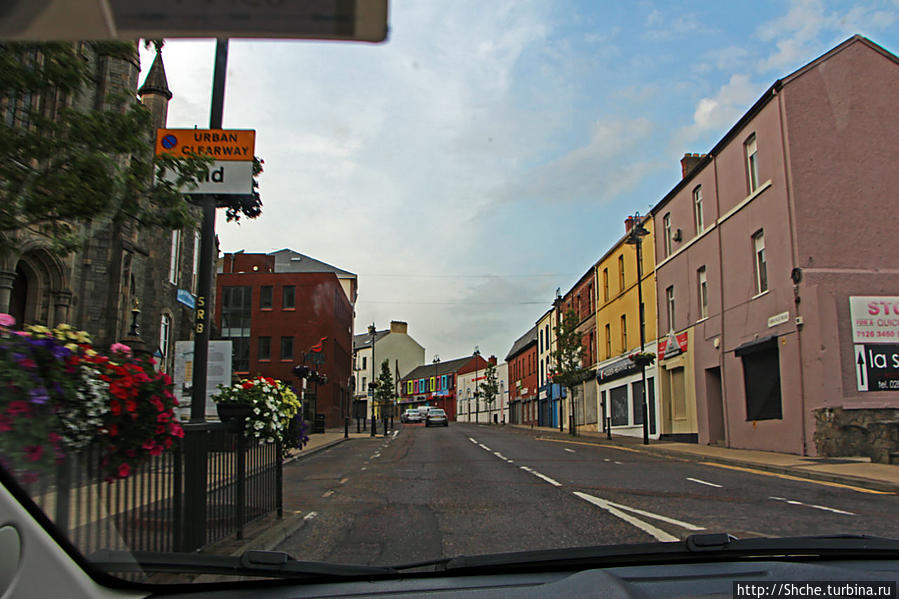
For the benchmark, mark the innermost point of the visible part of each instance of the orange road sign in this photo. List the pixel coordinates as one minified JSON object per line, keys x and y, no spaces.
{"x":219,"y":144}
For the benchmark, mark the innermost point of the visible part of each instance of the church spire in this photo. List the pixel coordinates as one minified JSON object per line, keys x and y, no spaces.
{"x":156,"y":82}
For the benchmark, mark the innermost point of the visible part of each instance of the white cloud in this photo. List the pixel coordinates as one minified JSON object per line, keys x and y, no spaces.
{"x":719,"y":111}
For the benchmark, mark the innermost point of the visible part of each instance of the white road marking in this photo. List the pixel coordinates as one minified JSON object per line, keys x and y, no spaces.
{"x":654,"y":516}
{"x":657,"y":533}
{"x":814,"y":505}
{"x":364,"y":468}
{"x":617,"y":462}
{"x":569,"y":450}
{"x":342,"y":481}
{"x":395,"y":433}
{"x":310,"y":515}
{"x":484,"y":447}
{"x":500,"y":456}
{"x":472,"y":440}
{"x":328,"y":493}
{"x":606,"y":460}
{"x":702,"y":482}
{"x":543,"y":476}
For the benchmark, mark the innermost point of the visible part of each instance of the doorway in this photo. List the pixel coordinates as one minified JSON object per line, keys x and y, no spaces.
{"x":715,"y":406}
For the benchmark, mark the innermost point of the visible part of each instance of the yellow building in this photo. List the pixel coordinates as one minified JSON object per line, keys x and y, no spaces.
{"x":619,"y":380}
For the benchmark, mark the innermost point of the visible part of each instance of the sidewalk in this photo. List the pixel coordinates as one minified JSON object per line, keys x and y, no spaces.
{"x":321,"y":441}
{"x":853,"y":472}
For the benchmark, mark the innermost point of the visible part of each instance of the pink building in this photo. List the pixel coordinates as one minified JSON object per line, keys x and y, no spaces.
{"x":759,"y":249}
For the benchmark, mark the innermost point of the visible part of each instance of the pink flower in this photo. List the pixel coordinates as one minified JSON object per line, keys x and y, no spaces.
{"x":6,"y":320}
{"x":34,"y":452}
{"x":124,"y":470}
{"x":120,"y":348}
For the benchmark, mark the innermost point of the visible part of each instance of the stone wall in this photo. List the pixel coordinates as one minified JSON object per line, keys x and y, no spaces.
{"x":871,"y":432}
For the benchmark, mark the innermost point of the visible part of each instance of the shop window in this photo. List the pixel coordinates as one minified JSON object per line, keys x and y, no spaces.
{"x":618,"y":405}
{"x":761,"y":379}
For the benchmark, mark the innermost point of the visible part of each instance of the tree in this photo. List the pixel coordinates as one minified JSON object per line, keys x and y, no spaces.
{"x":568,"y":357}
{"x":66,"y":160}
{"x":490,"y":387}
{"x":384,"y":394}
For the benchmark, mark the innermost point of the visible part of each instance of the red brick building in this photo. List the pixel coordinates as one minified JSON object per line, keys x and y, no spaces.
{"x":275,"y":308}
{"x":524,"y":381}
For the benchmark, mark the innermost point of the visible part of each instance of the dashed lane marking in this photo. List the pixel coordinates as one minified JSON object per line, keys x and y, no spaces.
{"x":484,"y":447}
{"x":617,"y":462}
{"x":814,"y":505}
{"x":826,"y":483}
{"x":702,"y":482}
{"x":569,"y":450}
{"x":328,"y":493}
{"x":473,"y":440}
{"x":310,"y":515}
{"x":592,"y":445}
{"x":342,"y":481}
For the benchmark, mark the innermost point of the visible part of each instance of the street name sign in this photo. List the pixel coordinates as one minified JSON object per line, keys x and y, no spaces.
{"x":232,"y":151}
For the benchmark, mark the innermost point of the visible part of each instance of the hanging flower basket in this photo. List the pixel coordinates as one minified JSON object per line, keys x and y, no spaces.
{"x":642,"y":359}
{"x":272,"y":406}
{"x":61,"y":396}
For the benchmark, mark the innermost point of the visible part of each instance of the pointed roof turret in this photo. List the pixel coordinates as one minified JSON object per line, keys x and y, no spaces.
{"x":156,"y":83}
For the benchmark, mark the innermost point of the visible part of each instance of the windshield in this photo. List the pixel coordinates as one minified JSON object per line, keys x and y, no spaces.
{"x":638,"y":258}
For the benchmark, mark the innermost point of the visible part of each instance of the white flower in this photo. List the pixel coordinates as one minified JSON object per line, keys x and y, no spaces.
{"x":259,"y":425}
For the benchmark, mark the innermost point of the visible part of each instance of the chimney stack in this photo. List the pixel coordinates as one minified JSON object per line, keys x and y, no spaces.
{"x":398,"y":326}
{"x":628,"y":224}
{"x":492,"y":360}
{"x":689,"y":162}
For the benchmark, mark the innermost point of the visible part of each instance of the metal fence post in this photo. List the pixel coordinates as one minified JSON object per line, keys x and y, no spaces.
{"x":177,"y":507}
{"x":63,"y":494}
{"x":241,"y":499}
{"x":279,"y":491}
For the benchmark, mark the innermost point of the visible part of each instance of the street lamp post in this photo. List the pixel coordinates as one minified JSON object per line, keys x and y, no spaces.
{"x":435,"y":362}
{"x":636,"y":238}
{"x":374,"y":423}
{"x":477,"y":404}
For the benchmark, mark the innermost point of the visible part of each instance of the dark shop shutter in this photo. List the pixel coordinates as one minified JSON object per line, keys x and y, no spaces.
{"x":761,"y":379}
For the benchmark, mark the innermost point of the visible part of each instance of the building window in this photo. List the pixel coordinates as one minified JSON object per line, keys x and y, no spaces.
{"x":605,"y":284}
{"x":669,"y":302}
{"x":365,"y":384}
{"x":287,"y":348}
{"x":761,"y":380}
{"x":175,"y":257}
{"x":666,"y":225}
{"x":236,"y":308}
{"x":752,"y":164}
{"x":196,"y":265}
{"x":364,"y":362}
{"x":288,"y":297}
{"x":621,"y":272}
{"x":761,"y":263}
{"x":703,"y":292}
{"x":623,"y":333}
{"x":165,"y":336}
{"x":608,"y":341}
{"x":265,"y":348}
{"x":618,"y":405}
{"x":265,"y":297}
{"x":697,"y":209}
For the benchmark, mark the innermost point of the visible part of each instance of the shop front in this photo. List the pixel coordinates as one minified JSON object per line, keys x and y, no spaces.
{"x":620,"y":384}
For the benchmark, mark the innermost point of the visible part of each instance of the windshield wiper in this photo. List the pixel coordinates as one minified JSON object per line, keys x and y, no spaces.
{"x":251,"y":563}
{"x":701,"y":547}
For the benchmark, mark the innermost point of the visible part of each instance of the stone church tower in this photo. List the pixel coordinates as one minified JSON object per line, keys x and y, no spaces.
{"x":123,"y":274}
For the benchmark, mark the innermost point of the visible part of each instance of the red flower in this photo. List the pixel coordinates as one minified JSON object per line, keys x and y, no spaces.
{"x":157,"y":450}
{"x":130,"y":405}
{"x":148,"y":444}
{"x":5,"y":424}
{"x":160,"y":428}
{"x":18,"y":407}
{"x":168,"y":441}
{"x":113,"y":430}
{"x":176,"y":430}
{"x":247,"y":385}
{"x":162,"y":417}
{"x":115,"y":408}
{"x":33,"y":452}
{"x":124,"y":470}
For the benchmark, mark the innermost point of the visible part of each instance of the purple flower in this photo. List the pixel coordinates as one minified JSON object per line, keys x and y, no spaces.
{"x":38,"y":396}
{"x":59,"y":352}
{"x":58,"y":388}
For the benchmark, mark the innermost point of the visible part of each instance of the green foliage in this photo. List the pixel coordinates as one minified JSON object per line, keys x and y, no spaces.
{"x":61,"y":167}
{"x":568,"y":354}
{"x":490,"y":387}
{"x":384,"y":394}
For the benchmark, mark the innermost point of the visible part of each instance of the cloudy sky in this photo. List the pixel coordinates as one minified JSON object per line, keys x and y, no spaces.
{"x":488,"y":152}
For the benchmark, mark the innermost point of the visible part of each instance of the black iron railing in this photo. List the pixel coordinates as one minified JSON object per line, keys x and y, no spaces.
{"x":146,"y":511}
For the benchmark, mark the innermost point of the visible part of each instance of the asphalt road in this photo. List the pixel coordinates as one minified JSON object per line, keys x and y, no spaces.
{"x":472,"y":489}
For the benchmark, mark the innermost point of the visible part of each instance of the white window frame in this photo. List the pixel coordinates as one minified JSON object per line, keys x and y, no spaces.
{"x":697,"y":210}
{"x":666,"y":220}
{"x":165,"y":335}
{"x":196,"y":266}
{"x":760,"y":260}
{"x":669,"y":302}
{"x":175,"y":257}
{"x":752,"y":163}
{"x":703,"y":283}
